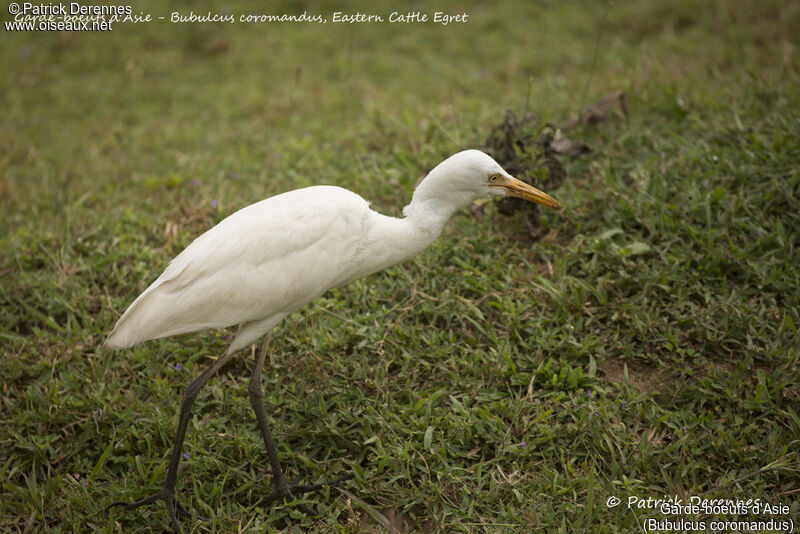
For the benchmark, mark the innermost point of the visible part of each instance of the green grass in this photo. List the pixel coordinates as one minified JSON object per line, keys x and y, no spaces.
{"x":646,"y":346}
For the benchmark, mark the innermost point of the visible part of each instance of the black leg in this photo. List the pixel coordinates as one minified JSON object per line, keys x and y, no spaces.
{"x":257,"y":400}
{"x":283,"y":489}
{"x":167,"y":491}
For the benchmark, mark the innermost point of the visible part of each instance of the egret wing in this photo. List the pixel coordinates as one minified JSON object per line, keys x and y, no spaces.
{"x":267,"y":259}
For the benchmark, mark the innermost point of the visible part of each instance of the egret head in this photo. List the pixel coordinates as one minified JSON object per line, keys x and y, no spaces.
{"x":471,"y":175}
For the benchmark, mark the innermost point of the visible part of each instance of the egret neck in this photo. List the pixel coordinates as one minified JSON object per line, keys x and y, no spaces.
{"x":392,"y":240}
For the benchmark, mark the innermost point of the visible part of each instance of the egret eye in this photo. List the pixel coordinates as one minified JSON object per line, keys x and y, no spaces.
{"x":494,"y":177}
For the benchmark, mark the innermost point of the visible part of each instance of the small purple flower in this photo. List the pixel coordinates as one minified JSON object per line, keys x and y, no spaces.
{"x":685,"y":428}
{"x":187,"y":455}
{"x":85,"y":484}
{"x":588,"y":393}
{"x":228,"y":337}
{"x":214,"y":203}
{"x":621,"y":405}
{"x":234,"y":175}
{"x":523,"y":444}
{"x":196,"y":183}
{"x":178,"y":367}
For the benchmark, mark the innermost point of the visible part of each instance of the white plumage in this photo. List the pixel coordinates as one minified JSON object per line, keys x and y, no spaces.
{"x":268,"y":259}
{"x":254,"y":267}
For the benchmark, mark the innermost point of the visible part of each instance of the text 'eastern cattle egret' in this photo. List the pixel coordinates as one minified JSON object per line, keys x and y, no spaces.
{"x":265,"y":261}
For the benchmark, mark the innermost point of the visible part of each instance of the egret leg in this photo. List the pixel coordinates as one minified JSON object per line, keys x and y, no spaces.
{"x":283,"y":489}
{"x":167,"y":491}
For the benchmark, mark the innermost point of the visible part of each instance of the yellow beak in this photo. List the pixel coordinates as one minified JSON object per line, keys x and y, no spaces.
{"x":519,"y":189}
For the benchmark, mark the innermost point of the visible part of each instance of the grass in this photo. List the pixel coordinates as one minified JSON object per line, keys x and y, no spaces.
{"x":647,"y":345}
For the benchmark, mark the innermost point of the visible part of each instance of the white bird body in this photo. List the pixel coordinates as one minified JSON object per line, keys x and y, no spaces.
{"x":262,"y":263}
{"x":265,"y":261}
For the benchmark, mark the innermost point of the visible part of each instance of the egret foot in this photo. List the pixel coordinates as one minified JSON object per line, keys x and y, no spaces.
{"x":290,"y":490}
{"x":165,"y":494}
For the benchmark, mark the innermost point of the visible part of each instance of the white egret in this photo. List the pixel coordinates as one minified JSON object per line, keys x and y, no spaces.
{"x":266,"y":260}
